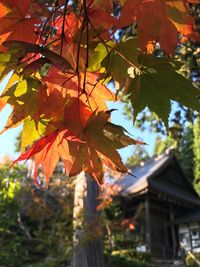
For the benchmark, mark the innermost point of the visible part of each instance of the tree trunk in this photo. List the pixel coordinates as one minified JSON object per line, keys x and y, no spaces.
{"x":88,"y":249}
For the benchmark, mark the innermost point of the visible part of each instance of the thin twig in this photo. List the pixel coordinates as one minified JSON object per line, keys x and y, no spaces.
{"x":63,"y":27}
{"x":87,"y":45}
{"x":110,"y":47}
{"x":47,"y":20}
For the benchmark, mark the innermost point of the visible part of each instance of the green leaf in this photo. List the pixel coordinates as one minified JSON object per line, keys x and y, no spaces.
{"x":119,"y":61}
{"x":21,"y":90}
{"x":14,"y":79}
{"x":100,"y":52}
{"x":10,"y":61}
{"x":30,"y":133}
{"x":4,"y":58}
{"x":24,"y":96}
{"x":157,"y":84}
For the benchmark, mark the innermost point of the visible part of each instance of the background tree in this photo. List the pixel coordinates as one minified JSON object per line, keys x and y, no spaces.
{"x":35,"y":226}
{"x":10,"y":185}
{"x":182,"y":147}
{"x":197,"y":155}
{"x":139,"y":155}
{"x":88,"y":243}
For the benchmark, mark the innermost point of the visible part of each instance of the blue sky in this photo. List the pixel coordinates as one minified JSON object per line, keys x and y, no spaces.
{"x":118,"y":118}
{"x":7,"y":140}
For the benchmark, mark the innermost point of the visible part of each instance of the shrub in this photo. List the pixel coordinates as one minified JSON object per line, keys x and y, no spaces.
{"x":128,"y":258}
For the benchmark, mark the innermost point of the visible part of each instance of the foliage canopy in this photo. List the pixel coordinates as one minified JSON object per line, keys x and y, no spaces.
{"x":61,"y":54}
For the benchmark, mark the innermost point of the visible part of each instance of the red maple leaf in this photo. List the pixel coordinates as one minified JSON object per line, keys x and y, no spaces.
{"x":16,"y":22}
{"x":95,"y":93}
{"x":81,"y":143}
{"x":158,"y":21}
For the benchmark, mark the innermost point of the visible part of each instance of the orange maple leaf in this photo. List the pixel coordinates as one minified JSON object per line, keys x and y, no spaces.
{"x":47,"y":151}
{"x":158,"y":21}
{"x":16,"y":22}
{"x":95,"y":93}
{"x":2,"y":104}
{"x":66,"y":44}
{"x":83,"y":146}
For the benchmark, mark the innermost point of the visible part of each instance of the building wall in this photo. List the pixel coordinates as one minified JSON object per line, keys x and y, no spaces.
{"x":190,"y":236}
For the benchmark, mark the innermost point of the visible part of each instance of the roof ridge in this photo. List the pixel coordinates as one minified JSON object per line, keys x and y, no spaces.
{"x":168,"y":152}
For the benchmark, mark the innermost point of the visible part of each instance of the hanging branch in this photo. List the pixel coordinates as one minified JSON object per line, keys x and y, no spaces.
{"x":87,"y":45}
{"x":46,"y":22}
{"x":63,"y":27}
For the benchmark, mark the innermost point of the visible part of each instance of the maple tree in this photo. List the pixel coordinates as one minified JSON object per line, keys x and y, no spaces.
{"x":61,"y":54}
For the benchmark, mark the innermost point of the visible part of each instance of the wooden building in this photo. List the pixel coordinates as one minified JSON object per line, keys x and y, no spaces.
{"x":169,"y":207}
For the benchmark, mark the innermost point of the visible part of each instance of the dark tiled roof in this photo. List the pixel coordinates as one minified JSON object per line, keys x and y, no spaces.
{"x":138,"y":182}
{"x":146,"y":177}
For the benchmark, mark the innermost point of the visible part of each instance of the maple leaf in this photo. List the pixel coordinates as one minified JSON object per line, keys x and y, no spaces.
{"x":29,"y":97}
{"x":35,"y":66}
{"x":48,"y":149}
{"x":47,"y":152}
{"x":2,"y":104}
{"x":47,"y":101}
{"x":158,"y":28}
{"x":95,"y":93}
{"x":125,"y":56}
{"x":16,"y":22}
{"x":31,"y":132}
{"x":68,"y":114}
{"x":60,"y":54}
{"x":70,"y":23}
{"x":85,"y":150}
{"x":97,"y":148}
{"x":23,"y":96}
{"x":162,"y":21}
{"x":51,"y":56}
{"x":66,"y":35}
{"x":97,"y":56}
{"x":8,"y":62}
{"x":157,"y":83}
{"x":73,"y":28}
{"x":100,"y":18}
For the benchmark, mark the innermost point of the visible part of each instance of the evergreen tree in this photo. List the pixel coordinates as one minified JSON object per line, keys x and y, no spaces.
{"x":186,"y":154}
{"x":196,"y":149}
{"x":162,"y":144}
{"x":182,"y":145}
{"x":139,"y":155}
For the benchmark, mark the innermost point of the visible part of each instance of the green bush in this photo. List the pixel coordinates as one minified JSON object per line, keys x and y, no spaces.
{"x":35,"y":225}
{"x":128,"y":258}
{"x":119,"y":261}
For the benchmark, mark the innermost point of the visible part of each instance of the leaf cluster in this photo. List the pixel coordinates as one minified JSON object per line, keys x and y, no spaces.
{"x":61,"y":54}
